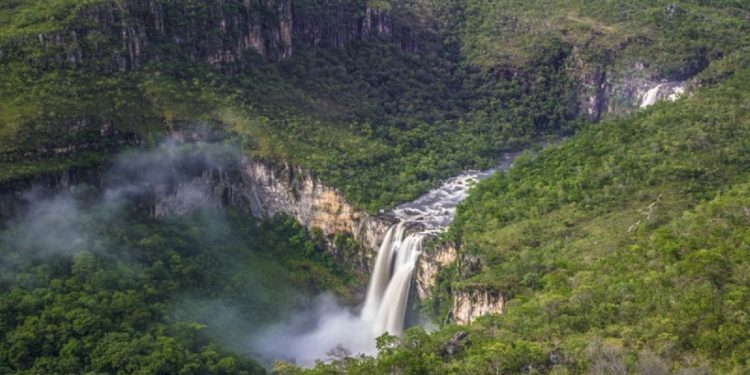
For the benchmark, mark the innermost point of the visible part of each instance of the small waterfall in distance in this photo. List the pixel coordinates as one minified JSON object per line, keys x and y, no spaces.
{"x":649,"y":98}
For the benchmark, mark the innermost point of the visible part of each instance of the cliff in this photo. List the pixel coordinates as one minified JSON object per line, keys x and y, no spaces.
{"x":266,"y":189}
{"x":428,"y":267}
{"x":474,"y":302}
{"x":122,"y":35}
{"x":606,"y":88}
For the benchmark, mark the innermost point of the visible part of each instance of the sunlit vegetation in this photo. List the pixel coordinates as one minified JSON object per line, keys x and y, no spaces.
{"x":406,"y":119}
{"x":678,"y":38}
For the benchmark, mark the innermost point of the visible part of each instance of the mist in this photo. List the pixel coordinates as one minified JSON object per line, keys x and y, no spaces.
{"x":61,"y":224}
{"x":323,"y":331}
{"x":165,"y":184}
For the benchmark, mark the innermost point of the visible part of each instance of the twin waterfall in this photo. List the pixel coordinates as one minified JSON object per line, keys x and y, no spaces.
{"x":388,"y":292}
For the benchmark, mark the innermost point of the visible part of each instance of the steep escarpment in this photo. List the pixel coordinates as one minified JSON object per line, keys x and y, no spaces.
{"x":613,"y":52}
{"x":266,"y":189}
{"x":262,"y":188}
{"x":126,"y":34}
{"x":604,"y":89}
{"x":471,"y":303}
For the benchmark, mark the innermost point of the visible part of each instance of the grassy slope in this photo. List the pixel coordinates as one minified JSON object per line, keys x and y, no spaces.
{"x":378,"y":123}
{"x":676,"y":42}
{"x":623,"y":249}
{"x":634,"y":231}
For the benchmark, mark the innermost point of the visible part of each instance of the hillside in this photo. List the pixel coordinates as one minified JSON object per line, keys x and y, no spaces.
{"x":621,"y":250}
{"x":620,"y":247}
{"x":399,"y":91}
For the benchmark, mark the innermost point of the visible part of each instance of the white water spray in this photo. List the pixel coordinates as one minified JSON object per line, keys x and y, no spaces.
{"x":388,"y":293}
{"x":670,"y":91}
{"x":650,"y":97}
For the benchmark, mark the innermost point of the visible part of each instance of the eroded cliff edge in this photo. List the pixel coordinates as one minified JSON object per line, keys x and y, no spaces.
{"x":126,"y":34}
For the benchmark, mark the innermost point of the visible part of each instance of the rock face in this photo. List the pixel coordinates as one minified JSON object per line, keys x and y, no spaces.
{"x":123,"y":35}
{"x":13,"y":195}
{"x":260,"y":187}
{"x":428,"y":266}
{"x":473,"y":302}
{"x":591,"y":80}
{"x":606,"y":90}
{"x":266,"y":189}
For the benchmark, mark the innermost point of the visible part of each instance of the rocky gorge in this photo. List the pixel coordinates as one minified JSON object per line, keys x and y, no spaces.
{"x":265,"y":189}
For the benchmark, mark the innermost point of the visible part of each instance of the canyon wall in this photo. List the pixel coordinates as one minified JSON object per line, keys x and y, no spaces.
{"x":473,"y":302}
{"x":266,"y":189}
{"x":124,"y":35}
{"x":606,"y":90}
{"x":428,"y":267}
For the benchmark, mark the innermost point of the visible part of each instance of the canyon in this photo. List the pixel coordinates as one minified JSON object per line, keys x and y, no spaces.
{"x":265,"y":189}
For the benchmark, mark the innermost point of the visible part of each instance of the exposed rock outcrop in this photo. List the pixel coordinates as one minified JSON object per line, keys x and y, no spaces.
{"x":454,"y":345}
{"x":591,"y":80}
{"x":618,"y":92}
{"x":263,"y":188}
{"x":428,"y":267}
{"x":123,"y":35}
{"x":14,"y":195}
{"x":266,"y":189}
{"x":472,"y":302}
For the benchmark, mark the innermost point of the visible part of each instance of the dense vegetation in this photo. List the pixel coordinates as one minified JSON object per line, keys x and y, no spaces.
{"x":381,"y":124}
{"x":132,"y":294}
{"x":677,"y":38}
{"x":622,"y":250}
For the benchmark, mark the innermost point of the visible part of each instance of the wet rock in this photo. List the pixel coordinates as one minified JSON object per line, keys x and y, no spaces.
{"x":673,"y":10}
{"x":454,"y":345}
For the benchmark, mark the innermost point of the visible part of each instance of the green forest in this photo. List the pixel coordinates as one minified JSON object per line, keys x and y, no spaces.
{"x":619,"y":240}
{"x":153,"y":296}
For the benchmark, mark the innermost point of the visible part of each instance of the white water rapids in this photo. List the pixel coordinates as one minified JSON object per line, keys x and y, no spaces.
{"x":313,"y":336}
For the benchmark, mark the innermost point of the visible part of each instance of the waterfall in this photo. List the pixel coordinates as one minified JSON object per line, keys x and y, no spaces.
{"x":669,"y":90}
{"x":650,"y":97}
{"x":388,"y":292}
{"x":381,"y":274}
{"x":310,"y":335}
